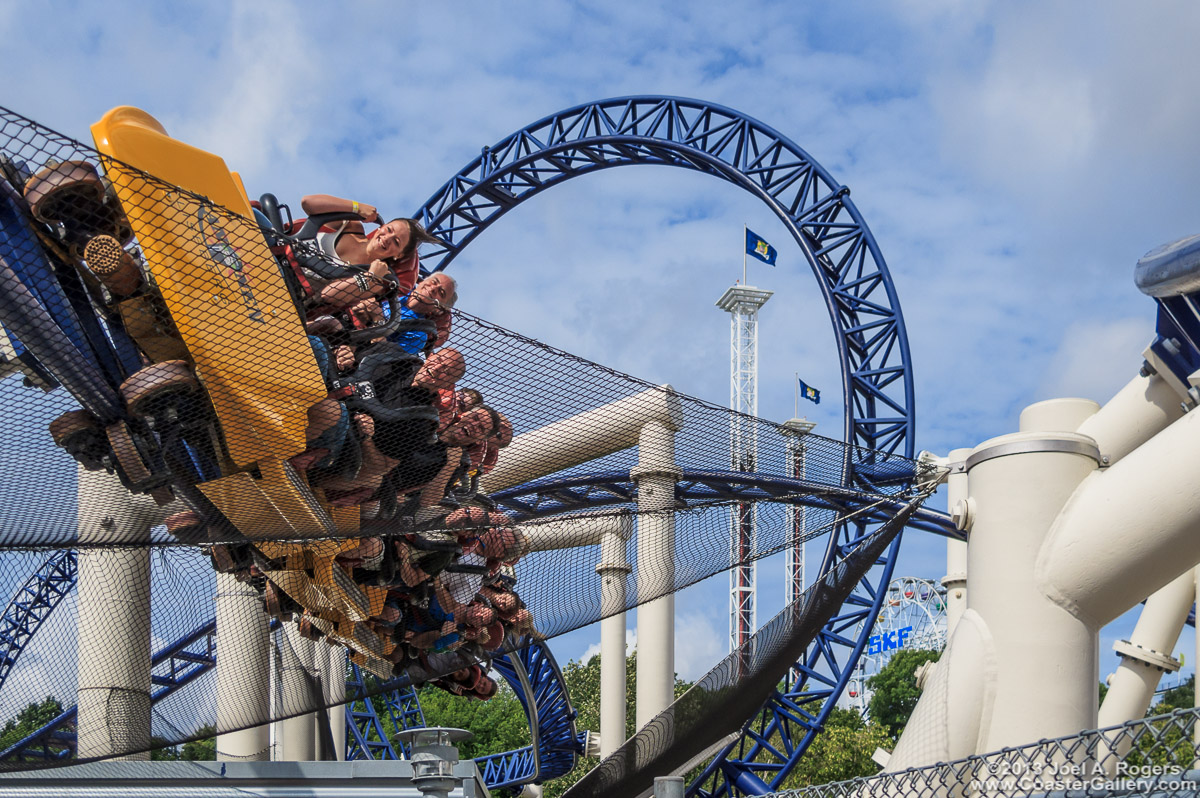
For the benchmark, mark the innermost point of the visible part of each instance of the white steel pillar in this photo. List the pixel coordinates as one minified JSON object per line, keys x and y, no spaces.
{"x":243,"y":675}
{"x":613,"y":569}
{"x":114,"y":617}
{"x":295,"y":736}
{"x":335,"y":697}
{"x":955,"y":580}
{"x":655,"y":477}
{"x":1146,"y":656}
{"x":742,"y":302}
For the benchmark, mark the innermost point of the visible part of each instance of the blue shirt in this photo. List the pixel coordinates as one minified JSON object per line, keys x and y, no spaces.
{"x":411,"y":341}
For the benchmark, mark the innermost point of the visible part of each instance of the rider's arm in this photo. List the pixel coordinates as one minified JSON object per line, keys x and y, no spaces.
{"x":326,"y":203}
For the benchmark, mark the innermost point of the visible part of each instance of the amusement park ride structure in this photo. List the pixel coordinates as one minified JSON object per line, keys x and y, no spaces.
{"x":1049,"y":509}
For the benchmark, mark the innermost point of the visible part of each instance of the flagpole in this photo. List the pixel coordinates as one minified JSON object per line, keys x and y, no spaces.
{"x":745,"y":232}
{"x":796,"y":390}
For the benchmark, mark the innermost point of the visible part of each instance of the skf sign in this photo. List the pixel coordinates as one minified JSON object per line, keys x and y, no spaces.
{"x":888,"y":641}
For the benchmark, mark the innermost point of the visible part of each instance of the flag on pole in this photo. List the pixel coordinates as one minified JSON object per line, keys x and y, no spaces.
{"x":810,"y":393}
{"x":759,"y":248}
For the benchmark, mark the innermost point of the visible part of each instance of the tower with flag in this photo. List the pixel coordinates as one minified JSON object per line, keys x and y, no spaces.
{"x":742,"y":303}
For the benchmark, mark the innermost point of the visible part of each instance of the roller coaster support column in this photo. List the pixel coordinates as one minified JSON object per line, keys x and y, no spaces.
{"x":611,"y":530}
{"x":1145,"y":656}
{"x":243,"y":683}
{"x":114,"y":617}
{"x":955,"y":580}
{"x":334,"y":685}
{"x":295,"y":736}
{"x":613,"y":569}
{"x":1045,"y":657}
{"x":655,"y":477}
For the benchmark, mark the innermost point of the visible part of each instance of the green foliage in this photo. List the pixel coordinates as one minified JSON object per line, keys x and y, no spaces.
{"x":895,"y":689}
{"x":498,"y":724}
{"x":842,"y":751}
{"x":29,"y":720}
{"x":201,"y":750}
{"x":1181,"y":697}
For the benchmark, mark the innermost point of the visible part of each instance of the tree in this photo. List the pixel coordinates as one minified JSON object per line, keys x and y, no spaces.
{"x":895,"y":689}
{"x":1181,"y":697}
{"x":841,"y":751}
{"x":29,"y":720}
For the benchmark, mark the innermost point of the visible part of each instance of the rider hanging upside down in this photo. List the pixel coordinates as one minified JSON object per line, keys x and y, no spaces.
{"x":392,"y":249}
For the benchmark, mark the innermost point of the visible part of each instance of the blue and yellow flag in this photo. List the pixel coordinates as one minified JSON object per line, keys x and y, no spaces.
{"x":810,"y":393}
{"x":759,"y":248}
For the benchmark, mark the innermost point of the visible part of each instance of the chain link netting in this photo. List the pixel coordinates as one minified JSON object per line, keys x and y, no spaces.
{"x":1156,"y":756}
{"x":211,"y":410}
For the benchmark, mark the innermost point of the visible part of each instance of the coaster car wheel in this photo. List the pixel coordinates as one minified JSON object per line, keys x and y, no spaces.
{"x":82,"y":436}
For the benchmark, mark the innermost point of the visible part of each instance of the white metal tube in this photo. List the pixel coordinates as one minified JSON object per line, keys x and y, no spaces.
{"x":1146,"y":655}
{"x":584,"y":437}
{"x":1150,"y":496}
{"x":613,"y":569}
{"x":1139,"y":411}
{"x":295,"y":738}
{"x":335,"y":697}
{"x":575,"y":531}
{"x":243,"y":683}
{"x":1045,"y":656}
{"x":655,"y":477}
{"x":114,"y":617}
{"x":955,"y":580}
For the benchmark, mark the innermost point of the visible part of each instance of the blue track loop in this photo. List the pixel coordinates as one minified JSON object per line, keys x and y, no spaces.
{"x":859,"y":294}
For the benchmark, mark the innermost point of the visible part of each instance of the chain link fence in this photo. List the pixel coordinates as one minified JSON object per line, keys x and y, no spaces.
{"x":1156,"y":756}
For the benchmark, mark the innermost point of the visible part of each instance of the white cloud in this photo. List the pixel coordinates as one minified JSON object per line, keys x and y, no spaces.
{"x":1094,"y":359}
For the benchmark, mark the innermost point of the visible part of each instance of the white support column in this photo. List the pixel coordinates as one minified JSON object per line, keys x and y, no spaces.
{"x":243,"y":674}
{"x":1146,"y":655}
{"x":613,"y":569}
{"x":955,"y":580}
{"x":295,"y":736}
{"x":611,"y":531}
{"x":114,"y":617}
{"x":655,"y":477}
{"x":1045,"y":657}
{"x":335,"y":697}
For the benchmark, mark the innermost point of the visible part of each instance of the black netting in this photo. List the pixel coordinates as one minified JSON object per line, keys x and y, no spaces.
{"x":209,"y":415}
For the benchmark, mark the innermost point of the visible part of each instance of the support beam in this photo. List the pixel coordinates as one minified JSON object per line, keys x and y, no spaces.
{"x":243,"y":683}
{"x":584,"y":437}
{"x":114,"y":617}
{"x":298,"y":694}
{"x":655,"y":476}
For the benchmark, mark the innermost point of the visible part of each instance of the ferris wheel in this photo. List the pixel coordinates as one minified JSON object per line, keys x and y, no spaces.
{"x":913,"y":616}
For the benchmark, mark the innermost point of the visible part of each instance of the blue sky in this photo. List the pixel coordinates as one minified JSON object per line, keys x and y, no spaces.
{"x":1012,"y":159}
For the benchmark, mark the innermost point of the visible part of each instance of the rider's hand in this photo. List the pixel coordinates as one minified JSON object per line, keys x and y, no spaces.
{"x":367,"y":311}
{"x":365,"y":424}
{"x":379,"y":271}
{"x":368,"y":213}
{"x":344,"y":356}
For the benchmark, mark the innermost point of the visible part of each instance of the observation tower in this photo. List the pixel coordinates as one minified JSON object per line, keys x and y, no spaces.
{"x":742,"y":303}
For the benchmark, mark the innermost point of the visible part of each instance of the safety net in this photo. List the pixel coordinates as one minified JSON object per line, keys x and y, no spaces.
{"x":229,"y":429}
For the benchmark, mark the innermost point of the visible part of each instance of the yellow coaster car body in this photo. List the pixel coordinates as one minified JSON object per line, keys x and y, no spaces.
{"x":219,"y":281}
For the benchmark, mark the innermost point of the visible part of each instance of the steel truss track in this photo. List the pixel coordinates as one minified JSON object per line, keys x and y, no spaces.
{"x":872,"y":345}
{"x":539,"y":685}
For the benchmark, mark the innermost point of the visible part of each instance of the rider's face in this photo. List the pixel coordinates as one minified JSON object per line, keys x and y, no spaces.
{"x":472,"y":426}
{"x":389,"y":241}
{"x":431,"y":293}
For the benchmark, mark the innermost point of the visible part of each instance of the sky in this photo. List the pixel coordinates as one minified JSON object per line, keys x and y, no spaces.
{"x":1012,"y":159}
